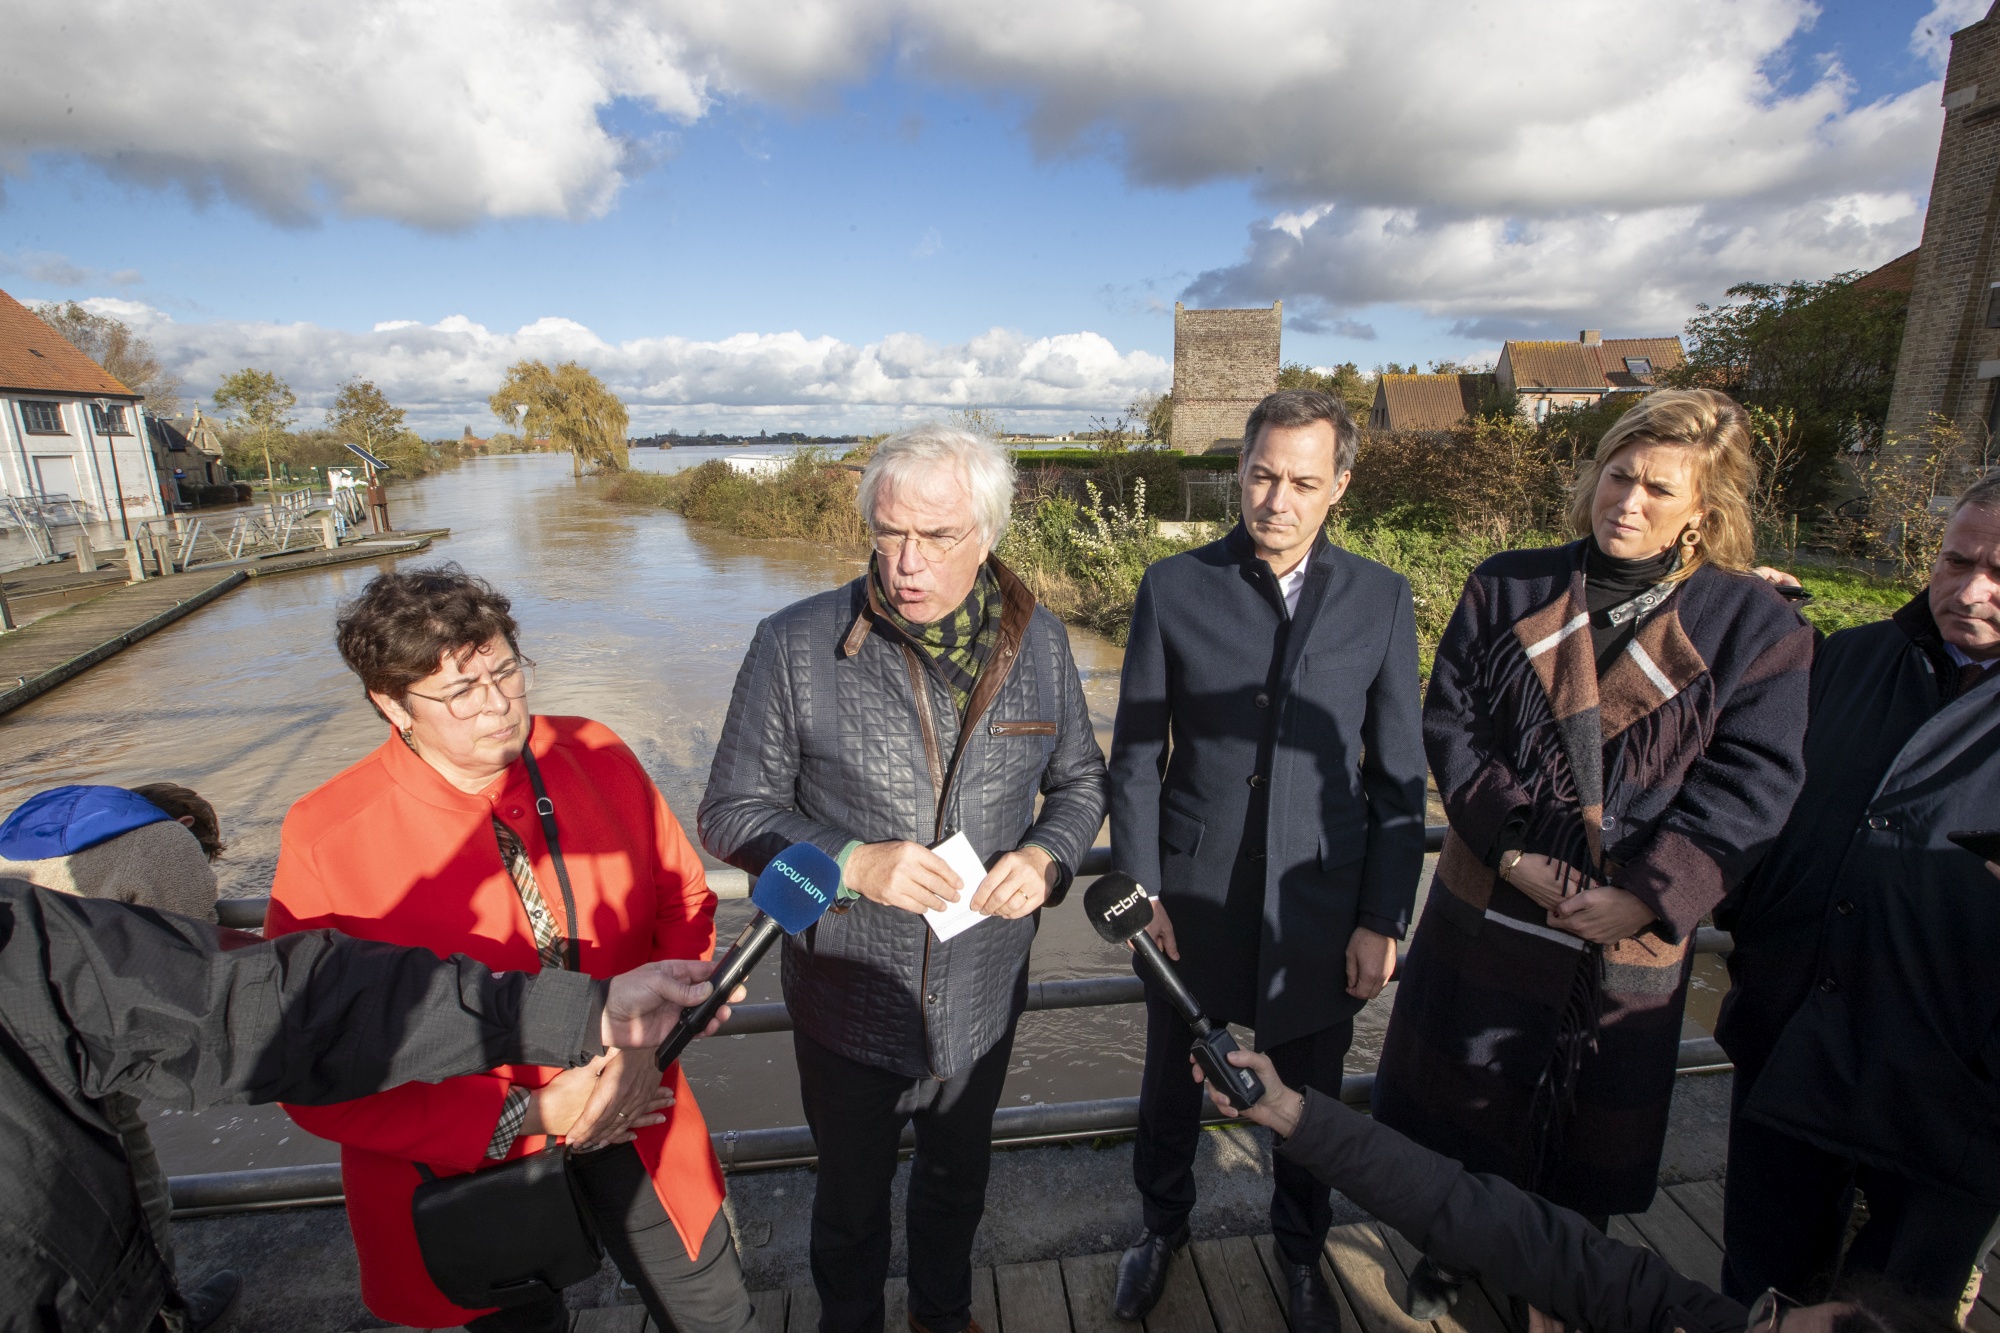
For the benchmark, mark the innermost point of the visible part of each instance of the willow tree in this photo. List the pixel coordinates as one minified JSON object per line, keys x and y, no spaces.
{"x":570,"y":406}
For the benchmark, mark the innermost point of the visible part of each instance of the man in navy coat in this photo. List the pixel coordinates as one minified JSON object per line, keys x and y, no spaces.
{"x":1267,"y":776}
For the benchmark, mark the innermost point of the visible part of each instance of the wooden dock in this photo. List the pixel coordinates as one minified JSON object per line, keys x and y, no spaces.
{"x":60,"y":647}
{"x":65,"y":644}
{"x":1237,"y":1285}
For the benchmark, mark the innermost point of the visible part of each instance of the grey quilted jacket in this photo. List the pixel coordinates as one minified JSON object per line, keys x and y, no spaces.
{"x":840,"y":730}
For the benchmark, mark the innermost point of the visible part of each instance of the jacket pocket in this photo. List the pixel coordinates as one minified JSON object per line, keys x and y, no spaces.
{"x":1180,"y":831}
{"x":1023,"y":729}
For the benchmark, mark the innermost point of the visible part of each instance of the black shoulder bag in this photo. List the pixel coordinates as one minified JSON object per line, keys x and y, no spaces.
{"x":512,"y":1233}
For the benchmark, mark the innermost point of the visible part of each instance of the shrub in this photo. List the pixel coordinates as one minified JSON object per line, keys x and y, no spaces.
{"x":810,"y":499}
{"x":1084,"y":561}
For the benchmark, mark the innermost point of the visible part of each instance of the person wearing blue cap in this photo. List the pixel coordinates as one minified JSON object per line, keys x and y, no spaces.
{"x":109,"y":842}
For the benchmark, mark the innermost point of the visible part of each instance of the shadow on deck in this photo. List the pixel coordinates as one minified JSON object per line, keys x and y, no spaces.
{"x":1236,"y":1284}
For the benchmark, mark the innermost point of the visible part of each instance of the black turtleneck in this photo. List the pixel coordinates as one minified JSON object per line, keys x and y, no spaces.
{"x":1608,"y":582}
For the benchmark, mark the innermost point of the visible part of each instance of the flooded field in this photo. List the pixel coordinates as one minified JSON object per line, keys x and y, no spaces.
{"x":635,"y":619}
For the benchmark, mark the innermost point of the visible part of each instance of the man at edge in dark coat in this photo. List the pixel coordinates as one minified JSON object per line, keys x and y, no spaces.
{"x":1862,"y":1014}
{"x":1268,"y":788}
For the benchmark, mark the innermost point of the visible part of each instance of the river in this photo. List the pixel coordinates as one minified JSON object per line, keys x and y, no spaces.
{"x":635,"y":618}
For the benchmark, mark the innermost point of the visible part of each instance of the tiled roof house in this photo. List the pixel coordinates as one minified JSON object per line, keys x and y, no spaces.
{"x":68,"y":429}
{"x":1426,"y":402}
{"x":1559,"y":376}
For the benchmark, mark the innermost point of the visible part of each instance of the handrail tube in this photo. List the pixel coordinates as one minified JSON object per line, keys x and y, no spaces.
{"x":248,"y":913}
{"x":787,"y":1145}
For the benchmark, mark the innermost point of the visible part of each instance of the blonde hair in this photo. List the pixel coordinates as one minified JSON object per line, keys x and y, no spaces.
{"x":1717,"y":430}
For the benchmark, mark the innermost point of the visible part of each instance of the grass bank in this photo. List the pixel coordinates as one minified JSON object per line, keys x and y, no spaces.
{"x":810,"y":499}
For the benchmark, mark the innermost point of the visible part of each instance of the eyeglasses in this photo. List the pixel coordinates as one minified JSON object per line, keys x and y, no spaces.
{"x":889,"y":545}
{"x":1768,"y":1311}
{"x":512,"y":681}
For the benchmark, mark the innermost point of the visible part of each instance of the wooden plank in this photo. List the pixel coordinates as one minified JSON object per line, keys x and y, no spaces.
{"x":1239,"y":1293}
{"x":1369,"y":1275}
{"x":1183,"y":1306}
{"x":1031,"y":1297}
{"x":768,"y":1311}
{"x":1680,"y":1240}
{"x":802,"y":1309}
{"x":1621,"y":1228}
{"x":1274,"y":1269}
{"x":896,"y":1303}
{"x":56,"y":648}
{"x":1091,"y":1283}
{"x":610,"y":1319}
{"x":1982,"y":1318}
{"x":1702,"y":1199}
{"x":985,"y":1310}
{"x":1470,"y":1313}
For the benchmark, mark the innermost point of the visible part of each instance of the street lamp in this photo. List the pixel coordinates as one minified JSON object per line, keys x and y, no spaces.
{"x":111,"y":447}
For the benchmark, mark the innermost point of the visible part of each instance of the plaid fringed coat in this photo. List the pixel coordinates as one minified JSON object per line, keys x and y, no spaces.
{"x":1518,"y":1048}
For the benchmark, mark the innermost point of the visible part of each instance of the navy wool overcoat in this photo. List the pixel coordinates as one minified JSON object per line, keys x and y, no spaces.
{"x":1222,"y":690}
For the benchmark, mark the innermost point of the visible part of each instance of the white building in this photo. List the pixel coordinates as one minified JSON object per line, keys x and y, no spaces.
{"x":68,"y":429}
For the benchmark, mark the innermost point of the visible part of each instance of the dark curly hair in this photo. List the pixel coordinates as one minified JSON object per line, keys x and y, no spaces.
{"x":404,"y":622}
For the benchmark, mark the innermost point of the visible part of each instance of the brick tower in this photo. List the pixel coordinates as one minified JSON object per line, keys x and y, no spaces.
{"x":1950,"y":360}
{"x":1225,"y":362}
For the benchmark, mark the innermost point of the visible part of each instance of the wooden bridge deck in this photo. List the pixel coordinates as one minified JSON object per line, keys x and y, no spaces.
{"x":1237,"y":1285}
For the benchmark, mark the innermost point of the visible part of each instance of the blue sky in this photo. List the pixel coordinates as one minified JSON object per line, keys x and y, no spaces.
{"x":940,"y":195}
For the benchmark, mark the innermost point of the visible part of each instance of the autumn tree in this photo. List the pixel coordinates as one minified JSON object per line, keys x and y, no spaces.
{"x":569,"y":405}
{"x":258,"y":404}
{"x":1346,"y":381}
{"x":1823,"y":351}
{"x":1156,"y":411}
{"x":111,"y":343}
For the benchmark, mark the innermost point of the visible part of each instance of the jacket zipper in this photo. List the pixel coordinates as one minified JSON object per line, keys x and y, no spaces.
{"x":920,"y":688}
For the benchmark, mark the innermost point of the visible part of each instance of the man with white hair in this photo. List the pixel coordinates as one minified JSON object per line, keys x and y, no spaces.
{"x":929,"y":697}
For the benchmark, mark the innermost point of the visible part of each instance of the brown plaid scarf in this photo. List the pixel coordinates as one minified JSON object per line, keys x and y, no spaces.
{"x":960,"y":643}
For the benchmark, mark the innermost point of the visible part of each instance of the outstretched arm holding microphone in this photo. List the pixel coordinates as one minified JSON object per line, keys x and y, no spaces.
{"x":1521,"y":1244}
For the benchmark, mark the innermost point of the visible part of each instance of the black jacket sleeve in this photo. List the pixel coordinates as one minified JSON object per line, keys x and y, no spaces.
{"x":1520,"y":1243}
{"x":109,"y":998}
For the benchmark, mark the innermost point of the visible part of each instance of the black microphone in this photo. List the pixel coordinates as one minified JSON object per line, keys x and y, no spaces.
{"x":795,"y":890}
{"x":1120,"y":911}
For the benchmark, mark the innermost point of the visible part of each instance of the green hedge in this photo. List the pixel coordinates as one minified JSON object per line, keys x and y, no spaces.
{"x":1089,"y":459}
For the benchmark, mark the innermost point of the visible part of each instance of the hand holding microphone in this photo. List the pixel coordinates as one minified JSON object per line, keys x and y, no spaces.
{"x":1119,"y":910}
{"x":795,"y":890}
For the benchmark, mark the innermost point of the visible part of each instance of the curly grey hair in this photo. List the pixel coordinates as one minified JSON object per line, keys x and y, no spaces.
{"x":980,"y":462}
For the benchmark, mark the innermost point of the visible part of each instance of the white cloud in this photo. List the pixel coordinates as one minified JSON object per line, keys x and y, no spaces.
{"x":1528,"y":156}
{"x":442,"y":373}
{"x":57,"y":270}
{"x":1931,"y":38}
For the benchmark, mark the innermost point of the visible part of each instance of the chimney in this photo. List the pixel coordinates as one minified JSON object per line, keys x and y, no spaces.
{"x":1591,"y":337}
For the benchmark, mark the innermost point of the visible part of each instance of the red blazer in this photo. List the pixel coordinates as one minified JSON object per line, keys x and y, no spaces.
{"x":389,"y":850}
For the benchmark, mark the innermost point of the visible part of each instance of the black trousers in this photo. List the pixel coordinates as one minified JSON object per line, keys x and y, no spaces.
{"x":1170,"y":1107}
{"x":703,"y":1295}
{"x":857,"y":1113}
{"x":1785,"y":1208}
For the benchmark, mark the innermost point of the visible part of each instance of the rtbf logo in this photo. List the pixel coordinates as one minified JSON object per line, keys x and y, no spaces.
{"x":784,"y":868}
{"x":1118,"y":909}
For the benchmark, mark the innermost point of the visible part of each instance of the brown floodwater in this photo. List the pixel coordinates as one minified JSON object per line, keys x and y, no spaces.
{"x":635,"y":618}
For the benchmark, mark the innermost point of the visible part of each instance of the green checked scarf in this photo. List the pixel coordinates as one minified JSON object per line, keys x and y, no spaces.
{"x":960,"y":643}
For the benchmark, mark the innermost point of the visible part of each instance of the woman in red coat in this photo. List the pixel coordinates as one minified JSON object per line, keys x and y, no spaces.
{"x":434,"y":839}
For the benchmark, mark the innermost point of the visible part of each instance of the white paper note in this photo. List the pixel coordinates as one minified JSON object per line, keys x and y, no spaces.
{"x":957,"y":918}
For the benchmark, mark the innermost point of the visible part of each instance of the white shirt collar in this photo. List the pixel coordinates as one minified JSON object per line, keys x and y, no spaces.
{"x":1289,"y":584}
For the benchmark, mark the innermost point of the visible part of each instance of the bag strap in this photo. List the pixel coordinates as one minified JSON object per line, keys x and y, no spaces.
{"x":547,"y":810}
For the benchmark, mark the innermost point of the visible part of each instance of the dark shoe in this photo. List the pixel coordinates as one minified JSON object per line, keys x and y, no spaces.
{"x":1432,"y":1292}
{"x":210,"y":1304}
{"x":1311,"y":1305}
{"x":1142,"y":1273}
{"x":971,"y":1326}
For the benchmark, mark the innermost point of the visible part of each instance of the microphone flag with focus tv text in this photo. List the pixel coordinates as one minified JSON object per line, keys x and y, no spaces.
{"x":795,"y":890}
{"x":1120,"y":911}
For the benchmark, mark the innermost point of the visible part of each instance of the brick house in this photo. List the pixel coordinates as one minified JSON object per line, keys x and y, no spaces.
{"x":1561,"y":376}
{"x":1225,"y":363}
{"x":1949,"y":364}
{"x":1426,"y":402}
{"x":68,"y":429}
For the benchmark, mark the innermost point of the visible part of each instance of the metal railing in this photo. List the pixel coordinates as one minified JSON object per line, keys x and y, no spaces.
{"x":792,"y":1145}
